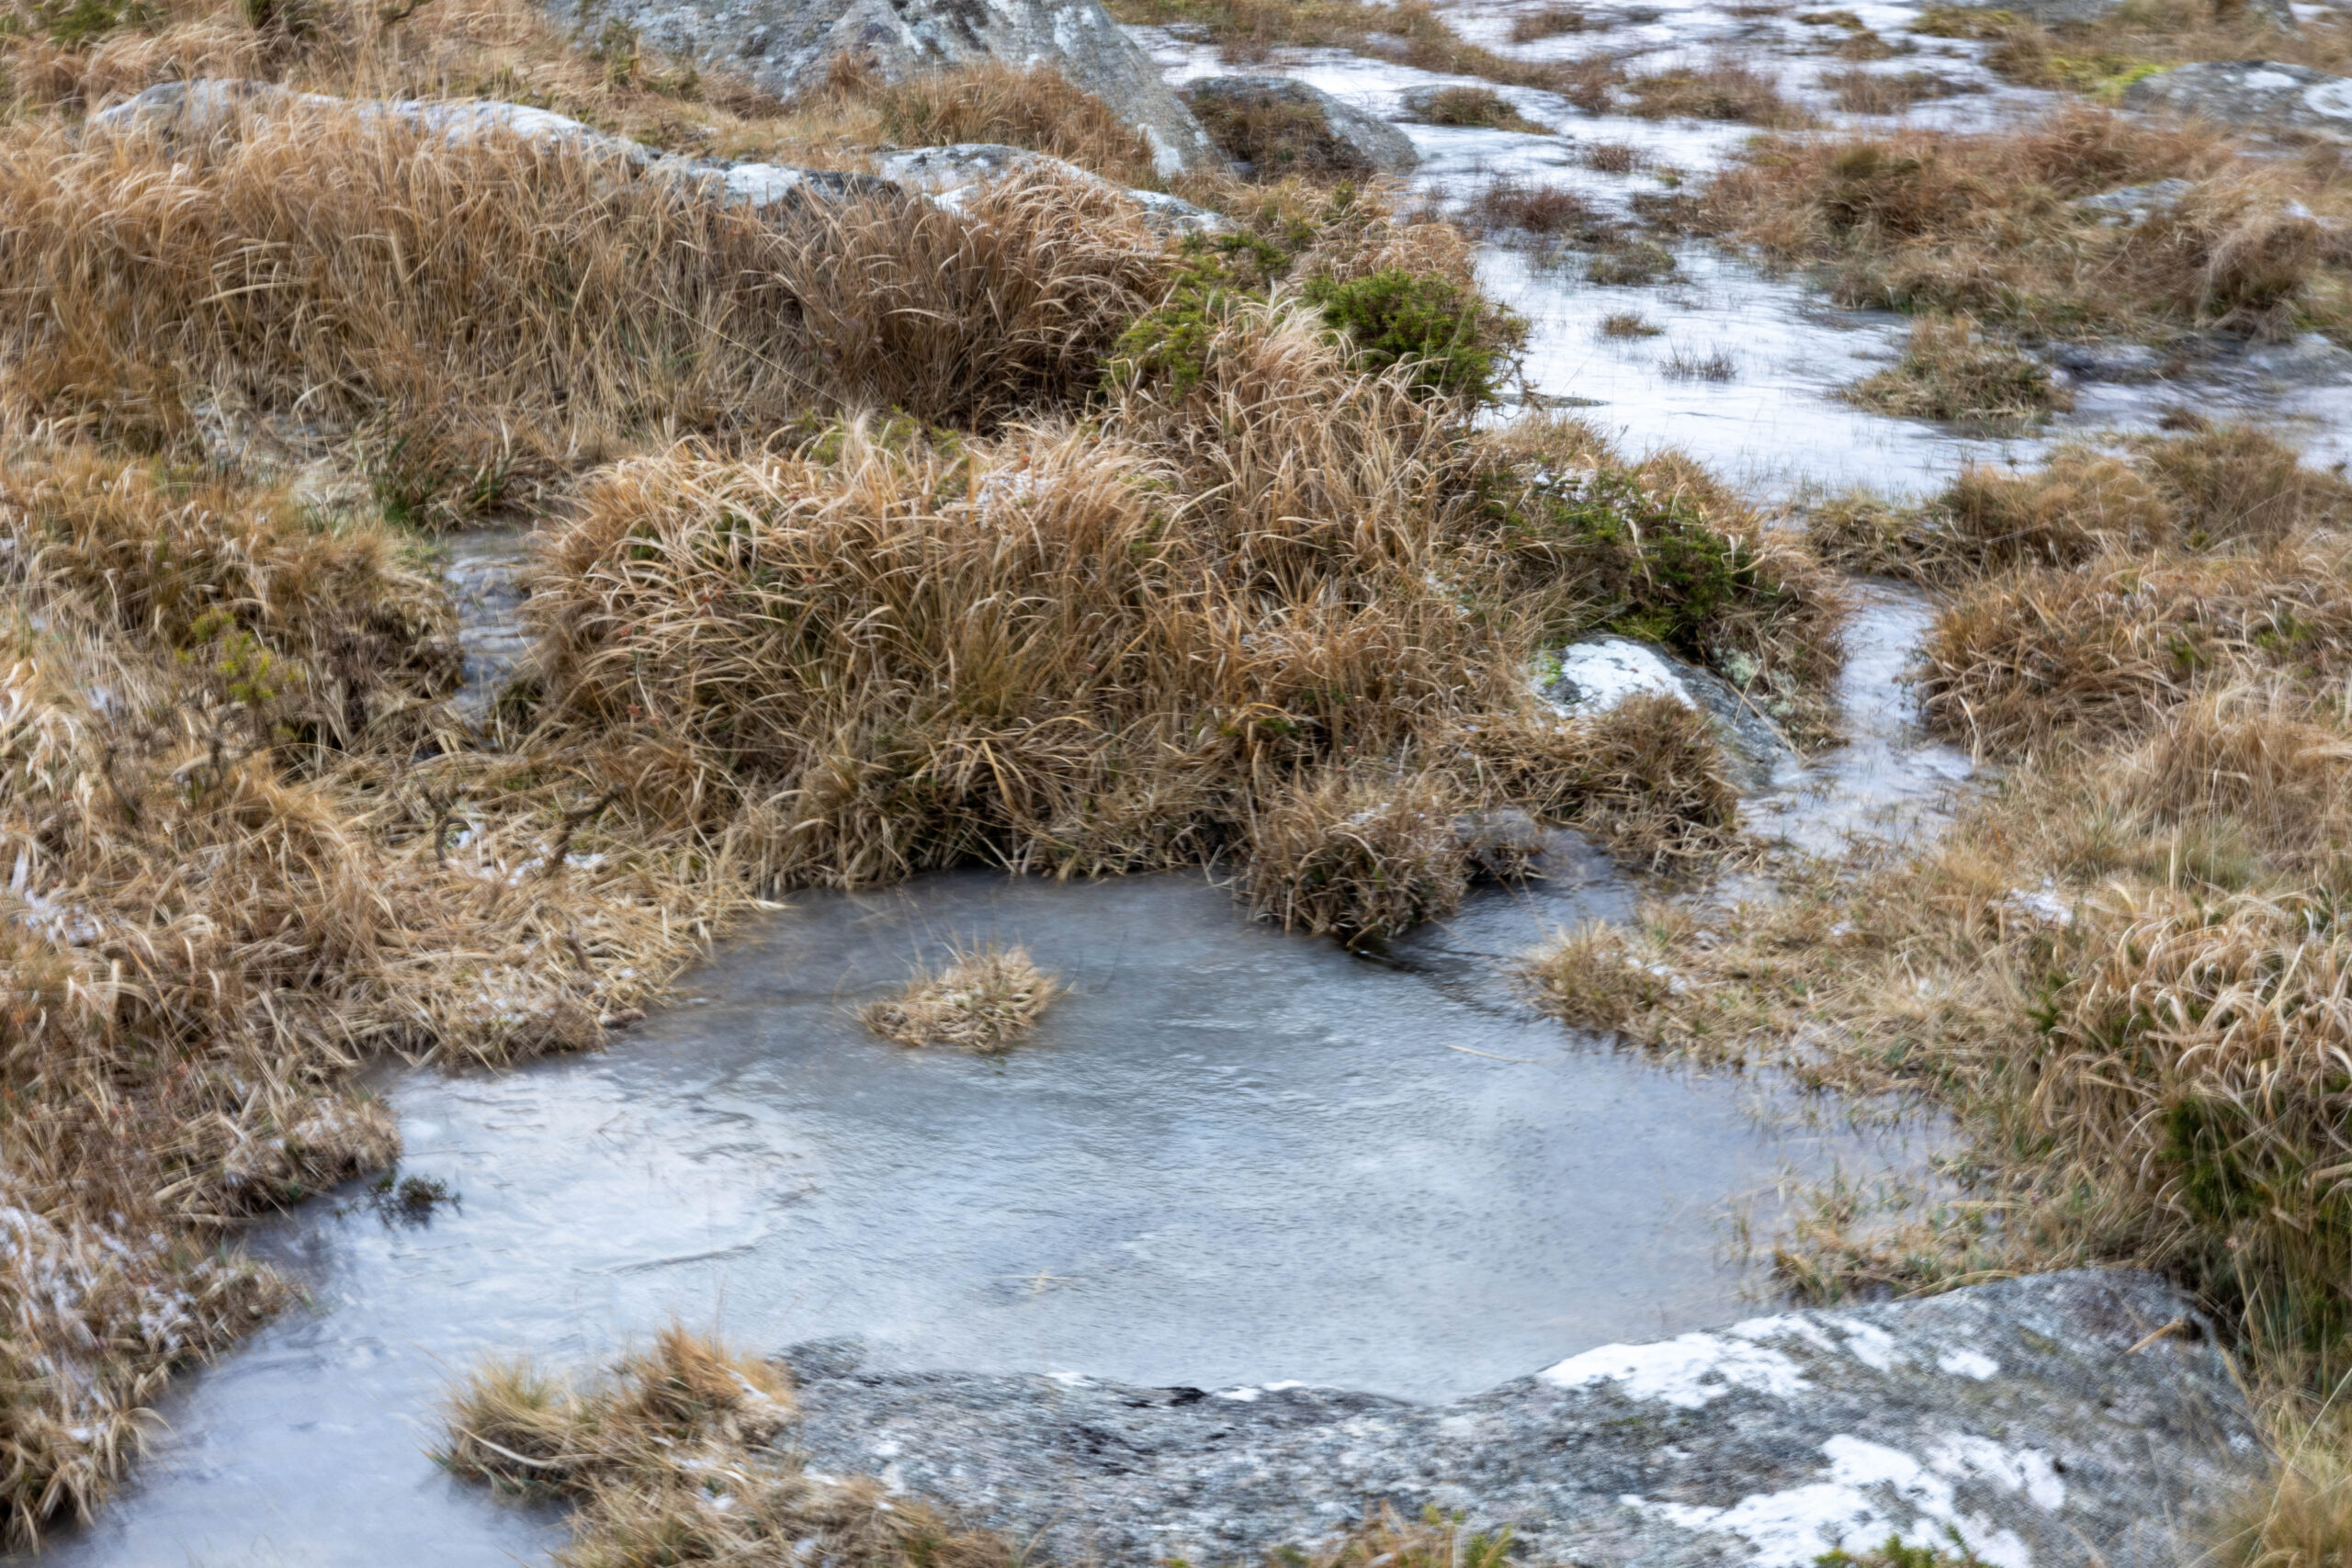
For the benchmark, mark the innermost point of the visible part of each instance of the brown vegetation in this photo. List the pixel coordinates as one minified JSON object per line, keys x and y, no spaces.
{"x":2101,"y":54}
{"x":984,"y":1001}
{"x":1949,"y":371}
{"x":1986,"y":225}
{"x":2121,"y":971}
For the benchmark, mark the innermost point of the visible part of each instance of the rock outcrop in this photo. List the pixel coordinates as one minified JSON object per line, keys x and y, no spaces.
{"x":1357,"y":141}
{"x":948,"y":174}
{"x":2046,"y":1422}
{"x":790,"y":47}
{"x":2262,"y":94}
{"x":1596,"y":675}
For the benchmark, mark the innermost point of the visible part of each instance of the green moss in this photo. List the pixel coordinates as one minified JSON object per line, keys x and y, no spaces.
{"x":1894,"y":1553}
{"x":1638,"y":564}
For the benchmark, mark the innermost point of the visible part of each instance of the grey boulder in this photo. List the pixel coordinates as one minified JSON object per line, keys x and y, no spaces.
{"x":790,"y":47}
{"x":2263,"y":94}
{"x":1371,"y":144}
{"x":2047,"y":1421}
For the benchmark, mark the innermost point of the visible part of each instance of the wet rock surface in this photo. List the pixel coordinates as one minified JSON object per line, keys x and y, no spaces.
{"x":790,"y":47}
{"x":1598,"y":673}
{"x":1376,"y":146}
{"x":2260,"y":92}
{"x":2065,"y":1418}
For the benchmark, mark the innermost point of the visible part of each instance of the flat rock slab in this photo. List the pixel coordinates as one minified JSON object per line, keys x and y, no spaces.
{"x":2067,"y":1418}
{"x":789,"y":47}
{"x":2264,"y":94}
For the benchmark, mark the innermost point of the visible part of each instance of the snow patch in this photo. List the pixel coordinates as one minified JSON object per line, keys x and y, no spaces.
{"x":1686,"y":1372}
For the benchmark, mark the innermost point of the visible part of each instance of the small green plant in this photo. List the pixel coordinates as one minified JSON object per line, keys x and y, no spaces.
{"x":1458,"y":343}
{"x":1895,"y":1553}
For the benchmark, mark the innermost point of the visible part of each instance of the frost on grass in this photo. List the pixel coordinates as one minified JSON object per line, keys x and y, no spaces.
{"x":984,"y":1001}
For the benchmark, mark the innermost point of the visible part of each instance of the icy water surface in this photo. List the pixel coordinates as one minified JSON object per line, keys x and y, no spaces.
{"x":1227,"y":1157}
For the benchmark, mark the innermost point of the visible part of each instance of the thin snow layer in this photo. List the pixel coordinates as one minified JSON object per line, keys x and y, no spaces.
{"x":1690,"y":1369}
{"x":1869,"y":1491}
{"x":1607,"y":670}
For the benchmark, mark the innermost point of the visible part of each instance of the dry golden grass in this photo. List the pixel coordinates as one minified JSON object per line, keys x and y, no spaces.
{"x":1360,"y":858}
{"x":984,"y":1001}
{"x":1034,"y":106}
{"x":2103,"y":54}
{"x":1950,"y":371}
{"x":2224,"y":488}
{"x":1411,"y":32}
{"x":1983,"y":224}
{"x":317,"y":266}
{"x":1722,"y":89}
{"x":232,"y":886}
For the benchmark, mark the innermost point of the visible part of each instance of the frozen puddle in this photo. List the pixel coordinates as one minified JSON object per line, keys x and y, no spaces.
{"x":1229,"y":1157}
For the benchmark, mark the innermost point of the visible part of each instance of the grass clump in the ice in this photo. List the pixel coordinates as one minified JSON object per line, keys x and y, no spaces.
{"x":1951,"y":371}
{"x":2225,"y":488}
{"x":1628,"y":325}
{"x":1991,"y":225}
{"x":1359,"y":858}
{"x":1889,"y":93}
{"x":985,"y":1000}
{"x":1554,"y":21}
{"x":1478,"y":106}
{"x":2098,"y":55}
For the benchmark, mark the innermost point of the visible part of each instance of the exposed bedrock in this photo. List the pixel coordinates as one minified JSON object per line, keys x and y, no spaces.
{"x":2066,"y":1418}
{"x":790,"y":47}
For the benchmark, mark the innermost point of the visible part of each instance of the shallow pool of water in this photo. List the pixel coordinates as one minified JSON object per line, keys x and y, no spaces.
{"x":1227,"y":1157}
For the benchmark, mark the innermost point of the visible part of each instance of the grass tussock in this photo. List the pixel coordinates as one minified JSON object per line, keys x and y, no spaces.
{"x":1411,"y":32}
{"x":984,"y":1001}
{"x":2121,"y":971}
{"x":1276,"y":136}
{"x":1360,"y":859}
{"x":1479,"y":106}
{"x":1950,"y":371}
{"x":596,"y":306}
{"x":2223,"y":488}
{"x":1723,"y":89}
{"x":1035,"y":107}
{"x":1552,"y":21}
{"x":233,"y":882}
{"x":2100,"y":55}
{"x":1986,"y":225}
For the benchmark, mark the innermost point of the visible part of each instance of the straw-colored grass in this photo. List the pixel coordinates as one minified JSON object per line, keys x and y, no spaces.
{"x":318,"y":268}
{"x":1949,"y":371}
{"x":232,"y":884}
{"x":1985,"y":225}
{"x":984,"y":1001}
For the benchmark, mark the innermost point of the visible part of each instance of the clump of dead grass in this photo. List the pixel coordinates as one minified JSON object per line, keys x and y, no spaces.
{"x":1360,"y":858}
{"x":2223,"y":488}
{"x":1480,"y":106}
{"x":146,"y":280}
{"x":1035,"y":107}
{"x":1276,"y":135}
{"x":669,"y":1459}
{"x":233,"y":883}
{"x":1987,"y":225}
{"x":1951,"y":371}
{"x":1552,"y":21}
{"x":984,"y":1001}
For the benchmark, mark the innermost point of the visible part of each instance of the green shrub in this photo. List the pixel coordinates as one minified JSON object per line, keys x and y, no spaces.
{"x":1460,"y":344}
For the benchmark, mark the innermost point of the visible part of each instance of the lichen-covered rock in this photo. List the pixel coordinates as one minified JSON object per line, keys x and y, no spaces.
{"x":1596,"y":675}
{"x":2260,"y":92}
{"x":949,"y":173}
{"x":2063,"y":1420}
{"x":790,"y":47}
{"x":1357,"y":141}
